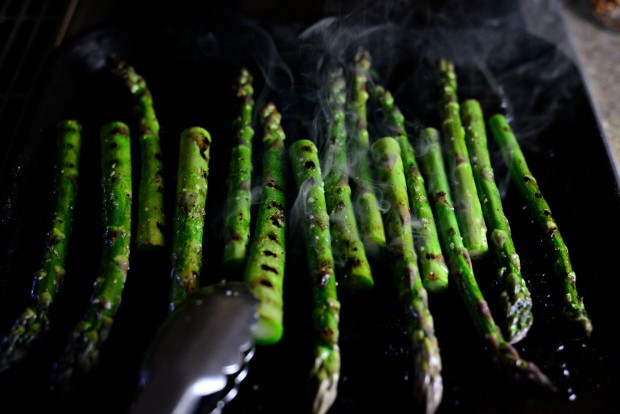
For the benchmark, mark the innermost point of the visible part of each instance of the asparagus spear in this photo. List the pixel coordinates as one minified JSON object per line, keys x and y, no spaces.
{"x":364,"y":198}
{"x":264,"y":270}
{"x":325,"y":372}
{"x":151,"y":219}
{"x":192,"y":185}
{"x":82,"y":351}
{"x":428,"y":384}
{"x":468,"y":209}
{"x":461,"y":270}
{"x":574,"y":309}
{"x":353,"y":269}
{"x":515,"y":297}
{"x":34,"y":320}
{"x":432,"y":263}
{"x":238,"y":202}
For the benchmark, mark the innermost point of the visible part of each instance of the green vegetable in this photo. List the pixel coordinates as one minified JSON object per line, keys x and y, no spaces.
{"x":433,"y":267}
{"x":239,"y":196}
{"x":515,"y":297}
{"x":151,"y":219}
{"x":462,"y":272}
{"x":264,"y":270}
{"x":352,"y":267}
{"x":34,"y":320}
{"x":192,"y":185}
{"x":364,"y":199}
{"x":427,"y":383}
{"x":315,"y":226}
{"x":574,"y":309}
{"x":82,"y":351}
{"x":468,"y":208}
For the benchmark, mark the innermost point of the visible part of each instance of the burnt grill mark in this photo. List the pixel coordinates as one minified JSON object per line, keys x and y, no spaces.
{"x":276,"y":220}
{"x":352,"y":263}
{"x":266,"y":283}
{"x":277,"y":205}
{"x":269,"y":269}
{"x":306,"y":148}
{"x":273,"y":237}
{"x":232,"y":235}
{"x":327,"y":334}
{"x":113,"y":234}
{"x":119,"y":130}
{"x":339,"y":206}
{"x":270,"y":253}
{"x":309,"y":165}
{"x":271,"y":183}
{"x":460,"y":159}
{"x":440,"y":197}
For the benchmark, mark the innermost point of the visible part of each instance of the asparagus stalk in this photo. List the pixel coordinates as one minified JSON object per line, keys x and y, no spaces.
{"x":428,"y":384}
{"x":364,"y":198}
{"x":238,"y":202}
{"x":191,"y":197}
{"x":461,"y":270}
{"x":315,"y":223}
{"x":515,"y":296}
{"x":353,"y":269}
{"x":573,"y":309}
{"x":468,"y":209}
{"x":264,"y":270}
{"x":432,"y":263}
{"x":82,"y":351}
{"x":34,"y":320}
{"x":151,"y":219}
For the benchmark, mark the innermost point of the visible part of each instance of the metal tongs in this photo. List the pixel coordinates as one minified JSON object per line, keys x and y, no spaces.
{"x":200,"y":354}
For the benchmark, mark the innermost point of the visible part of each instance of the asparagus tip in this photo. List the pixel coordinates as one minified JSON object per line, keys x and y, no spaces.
{"x":521,"y":371}
{"x":324,"y":379}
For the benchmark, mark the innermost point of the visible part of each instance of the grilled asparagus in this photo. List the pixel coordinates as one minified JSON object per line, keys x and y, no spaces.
{"x":467,"y":207}
{"x":352,"y":267}
{"x":574,"y":309}
{"x":364,"y":198}
{"x":461,"y":270}
{"x":325,"y":372}
{"x":82,"y":351}
{"x":151,"y":218}
{"x":192,"y":185}
{"x":433,"y":267}
{"x":34,"y":320}
{"x":515,"y":297}
{"x":264,"y":270}
{"x":428,"y":383}
{"x":239,"y":197}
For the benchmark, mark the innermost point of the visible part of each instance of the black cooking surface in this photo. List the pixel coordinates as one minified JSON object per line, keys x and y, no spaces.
{"x":189,"y":69}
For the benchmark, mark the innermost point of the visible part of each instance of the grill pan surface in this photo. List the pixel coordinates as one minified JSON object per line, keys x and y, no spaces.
{"x":189,"y":69}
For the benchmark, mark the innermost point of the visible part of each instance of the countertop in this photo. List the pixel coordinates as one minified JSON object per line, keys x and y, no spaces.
{"x":596,"y":51}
